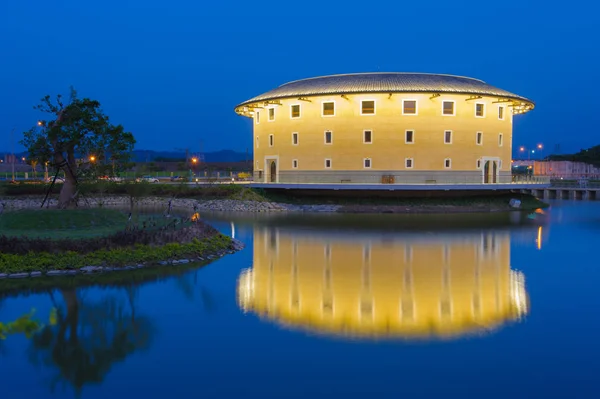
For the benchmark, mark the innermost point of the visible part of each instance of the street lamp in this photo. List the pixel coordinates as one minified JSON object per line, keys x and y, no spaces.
{"x":92,"y":158}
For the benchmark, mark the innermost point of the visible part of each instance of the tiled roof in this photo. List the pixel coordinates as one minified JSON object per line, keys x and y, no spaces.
{"x":385,"y":82}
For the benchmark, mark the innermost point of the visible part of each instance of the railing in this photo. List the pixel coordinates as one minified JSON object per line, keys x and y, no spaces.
{"x":383,"y":178}
{"x":575,"y":183}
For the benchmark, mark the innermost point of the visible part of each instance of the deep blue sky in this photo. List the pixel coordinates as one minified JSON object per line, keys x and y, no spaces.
{"x":172,"y":71}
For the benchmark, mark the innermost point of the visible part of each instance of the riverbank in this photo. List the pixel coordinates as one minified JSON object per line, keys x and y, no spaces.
{"x":295,"y":204}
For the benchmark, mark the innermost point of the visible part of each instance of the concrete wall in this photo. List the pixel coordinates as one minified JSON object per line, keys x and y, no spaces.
{"x":373,"y":176}
{"x":388,"y":150}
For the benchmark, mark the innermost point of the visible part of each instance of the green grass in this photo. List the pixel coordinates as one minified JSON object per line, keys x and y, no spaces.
{"x":72,"y":223}
{"x":42,"y":261}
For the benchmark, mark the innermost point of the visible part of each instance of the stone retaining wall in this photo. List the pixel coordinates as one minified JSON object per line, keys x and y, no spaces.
{"x":223,"y":205}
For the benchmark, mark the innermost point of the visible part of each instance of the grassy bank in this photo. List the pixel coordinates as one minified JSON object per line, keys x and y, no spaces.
{"x":45,"y":261}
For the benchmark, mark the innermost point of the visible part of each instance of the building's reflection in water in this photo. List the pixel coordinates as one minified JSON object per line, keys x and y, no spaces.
{"x":361,"y":286}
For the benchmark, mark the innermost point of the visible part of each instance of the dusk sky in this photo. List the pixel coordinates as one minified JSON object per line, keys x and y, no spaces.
{"x":172,"y":72}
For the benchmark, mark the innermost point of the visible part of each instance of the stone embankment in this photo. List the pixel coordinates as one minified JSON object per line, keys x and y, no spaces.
{"x":236,"y":246}
{"x":224,"y":205}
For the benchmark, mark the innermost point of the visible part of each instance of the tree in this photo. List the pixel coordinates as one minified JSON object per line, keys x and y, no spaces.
{"x":76,"y":137}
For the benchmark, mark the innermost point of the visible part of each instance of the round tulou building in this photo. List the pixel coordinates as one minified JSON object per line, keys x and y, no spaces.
{"x":373,"y":128}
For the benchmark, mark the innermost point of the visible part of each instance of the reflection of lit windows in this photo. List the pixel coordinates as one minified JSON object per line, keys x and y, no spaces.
{"x":295,"y":299}
{"x":407,"y":310}
{"x":408,"y":253}
{"x":407,"y":278}
{"x":446,"y":255}
{"x":445,"y":308}
{"x":446,"y":277}
{"x":328,"y":251}
{"x":366,"y":308}
{"x":273,"y":241}
{"x":476,"y":305}
{"x":327,"y":305}
{"x":327,"y":277}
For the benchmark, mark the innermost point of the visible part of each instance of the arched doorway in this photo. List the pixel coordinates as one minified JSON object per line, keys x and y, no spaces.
{"x":486,"y":172}
{"x":494,"y":172}
{"x":273,"y":172}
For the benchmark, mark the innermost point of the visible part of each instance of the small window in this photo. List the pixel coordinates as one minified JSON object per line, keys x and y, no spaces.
{"x":367,"y":107}
{"x":479,"y":164}
{"x":294,"y":138}
{"x":256,"y":141}
{"x":271,"y":114}
{"x":328,"y":137}
{"x":501,"y":113}
{"x":257,"y":117}
{"x":328,"y":163}
{"x":500,"y":140}
{"x":448,"y":137}
{"x":271,"y":140}
{"x":367,"y":163}
{"x":367,"y":137}
{"x":408,"y":162}
{"x":329,"y":108}
{"x":295,"y":110}
{"x":447,"y":163}
{"x":448,"y":108}
{"x":295,"y":163}
{"x":409,"y":107}
{"x":480,"y":110}
{"x":479,"y":138}
{"x":409,"y":136}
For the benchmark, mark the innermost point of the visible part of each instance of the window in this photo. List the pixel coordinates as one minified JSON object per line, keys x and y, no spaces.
{"x":271,"y":139}
{"x":256,"y":141}
{"x":328,"y":137}
{"x":295,"y":111}
{"x":448,"y":137}
{"x":479,"y":138}
{"x":409,"y":107}
{"x":328,"y":108}
{"x":367,"y":107}
{"x":479,"y":164}
{"x":448,"y":108}
{"x":500,"y":140}
{"x":409,"y":137}
{"x":328,"y":163}
{"x":294,"y":138}
{"x":257,"y":117}
{"x":271,"y":114}
{"x":367,"y":163}
{"x":479,"y":110}
{"x":408,"y":162}
{"x":501,"y":113}
{"x":367,"y":137}
{"x":447,"y":163}
{"x":295,"y":163}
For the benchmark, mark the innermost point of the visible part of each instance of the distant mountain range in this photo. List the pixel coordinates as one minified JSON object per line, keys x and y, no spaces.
{"x":150,"y":156}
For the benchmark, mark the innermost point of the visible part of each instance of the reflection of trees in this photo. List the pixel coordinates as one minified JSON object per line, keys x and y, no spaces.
{"x":89,"y":337}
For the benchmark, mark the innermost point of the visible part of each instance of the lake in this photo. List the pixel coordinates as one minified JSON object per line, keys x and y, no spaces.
{"x":323,"y":306}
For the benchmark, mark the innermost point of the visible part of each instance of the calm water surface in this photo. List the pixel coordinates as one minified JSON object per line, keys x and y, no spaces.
{"x":329,"y":306}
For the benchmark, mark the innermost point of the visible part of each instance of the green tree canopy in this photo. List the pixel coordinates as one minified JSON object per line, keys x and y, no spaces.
{"x":78,"y":139}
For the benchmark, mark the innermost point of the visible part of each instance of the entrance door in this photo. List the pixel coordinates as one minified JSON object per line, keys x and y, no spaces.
{"x":273,"y":174}
{"x":494,"y":172}
{"x":486,"y":172}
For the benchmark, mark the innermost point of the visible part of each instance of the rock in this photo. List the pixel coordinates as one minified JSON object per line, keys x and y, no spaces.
{"x":56,"y":273}
{"x":18,"y":275}
{"x":72,"y":272}
{"x":163,"y":263}
{"x":3,"y":275}
{"x":184,"y":261}
{"x":36,"y":274}
{"x":514,"y":203}
{"x":130,"y":267}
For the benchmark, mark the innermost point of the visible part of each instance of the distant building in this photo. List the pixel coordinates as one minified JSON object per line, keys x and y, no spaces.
{"x":565,"y":169}
{"x":384,"y":128}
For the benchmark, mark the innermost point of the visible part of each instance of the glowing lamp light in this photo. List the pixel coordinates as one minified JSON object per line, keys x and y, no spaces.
{"x":92,"y":158}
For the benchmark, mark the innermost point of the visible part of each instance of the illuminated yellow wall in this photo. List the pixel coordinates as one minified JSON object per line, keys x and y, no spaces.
{"x":388,"y":150}
{"x":411,"y":288}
